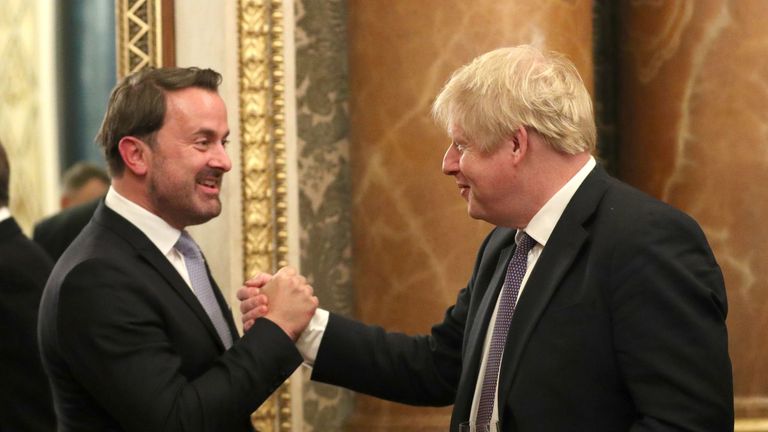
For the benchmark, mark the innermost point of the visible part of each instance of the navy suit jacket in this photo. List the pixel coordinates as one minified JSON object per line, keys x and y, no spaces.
{"x":621,"y":327}
{"x":129,"y":347}
{"x":25,"y":396}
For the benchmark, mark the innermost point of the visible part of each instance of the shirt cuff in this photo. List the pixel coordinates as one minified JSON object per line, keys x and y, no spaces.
{"x":309,"y":342}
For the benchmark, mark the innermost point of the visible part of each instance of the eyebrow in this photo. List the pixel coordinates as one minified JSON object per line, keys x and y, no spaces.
{"x":209,"y":132}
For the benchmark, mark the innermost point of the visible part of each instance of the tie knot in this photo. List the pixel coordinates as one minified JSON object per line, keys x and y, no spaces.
{"x":525,"y":243}
{"x":186,"y":246}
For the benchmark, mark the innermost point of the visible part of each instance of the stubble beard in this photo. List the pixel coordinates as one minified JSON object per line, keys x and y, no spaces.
{"x":180,"y":209}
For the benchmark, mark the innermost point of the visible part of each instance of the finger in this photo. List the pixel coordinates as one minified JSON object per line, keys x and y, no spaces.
{"x":259,"y":280}
{"x":248,"y":324}
{"x":249,"y":304}
{"x":253,"y":314}
{"x":244,"y":293}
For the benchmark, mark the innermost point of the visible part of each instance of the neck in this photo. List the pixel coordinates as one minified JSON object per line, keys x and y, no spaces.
{"x":133,"y":190}
{"x":547,"y":176}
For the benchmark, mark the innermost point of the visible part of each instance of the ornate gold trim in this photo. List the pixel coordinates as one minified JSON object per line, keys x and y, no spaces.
{"x":751,"y":425}
{"x":262,"y":140}
{"x":139,"y":35}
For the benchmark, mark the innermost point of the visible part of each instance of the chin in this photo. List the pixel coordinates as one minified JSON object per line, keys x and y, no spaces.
{"x":203,"y":216}
{"x":474,"y":214}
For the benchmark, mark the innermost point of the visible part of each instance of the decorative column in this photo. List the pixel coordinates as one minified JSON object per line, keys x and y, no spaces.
{"x":693,"y":132}
{"x":413,"y":243}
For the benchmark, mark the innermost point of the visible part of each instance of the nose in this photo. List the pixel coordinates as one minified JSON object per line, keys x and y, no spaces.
{"x":451,"y":161}
{"x":220,"y":159}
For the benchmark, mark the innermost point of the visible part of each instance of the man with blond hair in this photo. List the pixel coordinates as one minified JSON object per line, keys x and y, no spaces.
{"x":591,"y":307}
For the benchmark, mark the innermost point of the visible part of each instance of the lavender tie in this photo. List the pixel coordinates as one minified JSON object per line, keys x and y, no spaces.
{"x":512,"y":281}
{"x":201,"y":285}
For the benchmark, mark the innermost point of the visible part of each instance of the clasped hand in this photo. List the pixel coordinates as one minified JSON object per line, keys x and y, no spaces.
{"x":284,"y":298}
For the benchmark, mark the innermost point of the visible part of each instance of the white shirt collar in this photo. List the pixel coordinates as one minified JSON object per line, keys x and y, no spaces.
{"x":153,"y":226}
{"x":543,"y":222}
{"x":5,"y":213}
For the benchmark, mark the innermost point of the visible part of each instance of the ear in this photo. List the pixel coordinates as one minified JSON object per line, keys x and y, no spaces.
{"x":520,"y":141}
{"x":135,"y":154}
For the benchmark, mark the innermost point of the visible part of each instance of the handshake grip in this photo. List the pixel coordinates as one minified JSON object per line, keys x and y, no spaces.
{"x":284,"y":298}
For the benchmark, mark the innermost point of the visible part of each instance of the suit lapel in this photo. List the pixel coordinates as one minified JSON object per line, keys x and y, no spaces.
{"x":485,"y":310}
{"x":562,"y":248}
{"x":225,"y":310}
{"x":479,"y":320}
{"x":149,"y":252}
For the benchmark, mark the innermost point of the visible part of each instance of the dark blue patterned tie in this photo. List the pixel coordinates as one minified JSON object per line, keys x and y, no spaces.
{"x":509,"y":292}
{"x":201,"y":285}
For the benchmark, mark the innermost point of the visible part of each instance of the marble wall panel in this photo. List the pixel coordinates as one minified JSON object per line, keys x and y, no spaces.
{"x":413,"y":243}
{"x":694,"y":133}
{"x":322,"y":104}
{"x":21,"y":129}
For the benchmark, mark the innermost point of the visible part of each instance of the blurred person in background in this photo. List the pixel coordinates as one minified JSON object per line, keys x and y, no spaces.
{"x":83,"y":186}
{"x":25,"y":396}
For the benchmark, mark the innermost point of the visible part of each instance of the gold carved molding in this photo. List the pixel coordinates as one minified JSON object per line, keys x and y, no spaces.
{"x":144,"y":35}
{"x":751,"y":425}
{"x":262,"y":139}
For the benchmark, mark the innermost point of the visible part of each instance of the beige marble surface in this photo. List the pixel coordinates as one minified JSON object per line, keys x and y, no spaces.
{"x":413,"y":243}
{"x":695,"y":104}
{"x":27,"y":109}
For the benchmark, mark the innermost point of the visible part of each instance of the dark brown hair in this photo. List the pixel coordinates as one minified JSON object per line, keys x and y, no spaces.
{"x":137,"y":106}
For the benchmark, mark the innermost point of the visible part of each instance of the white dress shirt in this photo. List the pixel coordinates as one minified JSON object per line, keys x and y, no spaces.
{"x":5,"y":213}
{"x":153,"y":226}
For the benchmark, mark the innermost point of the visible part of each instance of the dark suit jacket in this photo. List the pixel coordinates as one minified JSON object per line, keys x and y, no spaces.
{"x":621,"y":327}
{"x":56,"y":233}
{"x":129,"y":347}
{"x":25,"y":396}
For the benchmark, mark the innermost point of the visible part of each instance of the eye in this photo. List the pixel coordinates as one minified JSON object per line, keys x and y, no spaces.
{"x":461,"y":148}
{"x":224,"y":142}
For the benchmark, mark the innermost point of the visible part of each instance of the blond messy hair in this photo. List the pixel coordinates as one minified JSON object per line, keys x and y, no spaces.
{"x":496,"y":93}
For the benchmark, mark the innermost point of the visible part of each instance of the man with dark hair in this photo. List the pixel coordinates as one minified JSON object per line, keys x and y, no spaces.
{"x":134,"y":332}
{"x":81,"y":183}
{"x":25,"y":396}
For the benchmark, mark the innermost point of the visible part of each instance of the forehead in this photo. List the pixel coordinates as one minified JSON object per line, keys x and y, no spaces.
{"x":193,"y":97}
{"x":195,"y":105}
{"x":456,"y":132}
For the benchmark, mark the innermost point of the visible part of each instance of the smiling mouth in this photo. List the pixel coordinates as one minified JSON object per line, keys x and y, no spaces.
{"x":211,"y":185}
{"x":210,"y":180}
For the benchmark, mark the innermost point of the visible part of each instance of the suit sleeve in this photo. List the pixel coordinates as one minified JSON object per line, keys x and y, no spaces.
{"x":137,"y":379}
{"x":417,"y":370}
{"x":669,"y":309}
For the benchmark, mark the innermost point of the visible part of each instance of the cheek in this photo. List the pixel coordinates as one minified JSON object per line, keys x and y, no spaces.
{"x":465,"y":163}
{"x":471,"y":167}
